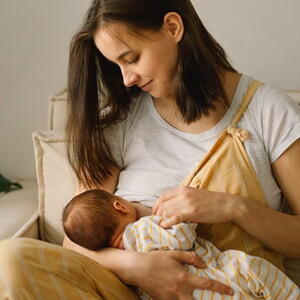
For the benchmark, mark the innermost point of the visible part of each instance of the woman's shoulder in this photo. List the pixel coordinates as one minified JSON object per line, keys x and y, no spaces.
{"x":267,"y":97}
{"x":275,"y":117}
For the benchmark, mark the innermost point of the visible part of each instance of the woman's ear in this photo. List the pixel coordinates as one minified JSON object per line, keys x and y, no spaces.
{"x":120,"y":207}
{"x":173,"y":23}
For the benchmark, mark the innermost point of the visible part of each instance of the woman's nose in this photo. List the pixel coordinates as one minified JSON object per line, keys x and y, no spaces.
{"x":129,"y":78}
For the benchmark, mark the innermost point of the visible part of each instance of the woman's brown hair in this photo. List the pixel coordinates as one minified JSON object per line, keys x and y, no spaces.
{"x":95,"y":84}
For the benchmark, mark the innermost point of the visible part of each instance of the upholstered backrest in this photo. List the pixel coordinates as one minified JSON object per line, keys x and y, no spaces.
{"x":56,"y":180}
{"x":57,"y":110}
{"x":294,"y":94}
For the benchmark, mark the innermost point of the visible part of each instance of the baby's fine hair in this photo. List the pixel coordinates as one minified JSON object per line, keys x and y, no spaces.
{"x":90,"y":219}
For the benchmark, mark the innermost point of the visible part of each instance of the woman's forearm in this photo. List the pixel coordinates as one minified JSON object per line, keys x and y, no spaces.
{"x":276,"y":230}
{"x":116,"y":260}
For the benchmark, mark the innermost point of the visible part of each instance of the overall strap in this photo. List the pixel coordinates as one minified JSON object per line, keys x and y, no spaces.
{"x":250,"y":92}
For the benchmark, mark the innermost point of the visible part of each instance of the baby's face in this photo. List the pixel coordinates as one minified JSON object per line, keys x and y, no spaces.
{"x":117,"y":238}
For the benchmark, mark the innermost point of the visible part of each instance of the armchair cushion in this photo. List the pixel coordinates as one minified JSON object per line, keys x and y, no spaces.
{"x":55,"y":180}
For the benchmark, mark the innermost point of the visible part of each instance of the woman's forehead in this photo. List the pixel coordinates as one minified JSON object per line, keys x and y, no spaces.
{"x":113,"y":40}
{"x":117,"y":38}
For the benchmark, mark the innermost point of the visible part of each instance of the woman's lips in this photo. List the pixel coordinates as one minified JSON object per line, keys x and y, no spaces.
{"x":146,"y":86}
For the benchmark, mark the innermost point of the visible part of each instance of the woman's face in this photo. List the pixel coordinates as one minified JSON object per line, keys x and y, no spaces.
{"x":145,"y":62}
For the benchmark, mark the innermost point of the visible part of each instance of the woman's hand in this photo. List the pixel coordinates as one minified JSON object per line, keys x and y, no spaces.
{"x":161,"y":275}
{"x":185,"y":204}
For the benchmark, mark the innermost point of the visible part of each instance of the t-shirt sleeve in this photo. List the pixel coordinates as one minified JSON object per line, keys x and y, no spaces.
{"x":280,"y":120}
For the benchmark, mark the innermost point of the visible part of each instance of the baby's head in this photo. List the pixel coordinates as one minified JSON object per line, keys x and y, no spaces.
{"x":96,"y":219}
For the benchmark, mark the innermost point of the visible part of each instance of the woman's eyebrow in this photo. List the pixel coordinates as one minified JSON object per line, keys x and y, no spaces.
{"x":125,"y":53}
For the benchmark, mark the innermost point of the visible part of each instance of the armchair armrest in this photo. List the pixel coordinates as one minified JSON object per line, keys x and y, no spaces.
{"x":19,"y":212}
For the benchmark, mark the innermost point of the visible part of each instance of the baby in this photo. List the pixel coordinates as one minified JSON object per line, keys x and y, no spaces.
{"x":97,"y":219}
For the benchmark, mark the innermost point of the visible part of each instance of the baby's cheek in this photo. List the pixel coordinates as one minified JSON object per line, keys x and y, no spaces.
{"x":121,"y":245}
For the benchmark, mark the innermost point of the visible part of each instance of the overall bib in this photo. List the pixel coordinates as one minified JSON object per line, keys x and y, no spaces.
{"x":227,"y":168}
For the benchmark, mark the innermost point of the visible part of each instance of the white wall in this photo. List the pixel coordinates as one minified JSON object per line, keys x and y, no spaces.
{"x":262,"y":38}
{"x":34,"y":42}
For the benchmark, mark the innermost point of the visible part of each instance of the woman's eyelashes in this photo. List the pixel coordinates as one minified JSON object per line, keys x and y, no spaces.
{"x":134,"y":60}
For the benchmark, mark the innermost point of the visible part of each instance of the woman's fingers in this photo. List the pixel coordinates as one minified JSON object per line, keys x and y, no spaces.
{"x":202,"y":283}
{"x":187,"y":257}
{"x":168,"y":223}
{"x":197,"y":282}
{"x":164,"y":197}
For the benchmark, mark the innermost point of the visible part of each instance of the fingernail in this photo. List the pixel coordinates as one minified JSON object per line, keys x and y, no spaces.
{"x":162,"y":224}
{"x":231,"y":292}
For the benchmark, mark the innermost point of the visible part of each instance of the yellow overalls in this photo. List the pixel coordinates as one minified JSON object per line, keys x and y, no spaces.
{"x":227,"y":168}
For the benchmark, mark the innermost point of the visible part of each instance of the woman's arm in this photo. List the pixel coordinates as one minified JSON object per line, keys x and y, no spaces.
{"x":277,"y":230}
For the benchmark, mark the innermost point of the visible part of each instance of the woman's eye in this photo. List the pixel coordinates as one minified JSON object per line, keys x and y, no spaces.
{"x":134,"y":60}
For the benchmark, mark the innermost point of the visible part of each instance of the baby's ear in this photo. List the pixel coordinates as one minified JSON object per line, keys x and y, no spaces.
{"x":120,"y":207}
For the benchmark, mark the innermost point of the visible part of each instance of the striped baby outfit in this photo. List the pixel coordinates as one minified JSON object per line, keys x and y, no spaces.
{"x":251,"y":277}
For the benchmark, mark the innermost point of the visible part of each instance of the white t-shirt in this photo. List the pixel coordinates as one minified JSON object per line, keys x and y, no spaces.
{"x":156,"y":157}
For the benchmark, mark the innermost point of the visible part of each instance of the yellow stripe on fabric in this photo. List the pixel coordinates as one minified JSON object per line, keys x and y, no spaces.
{"x":266,"y":279}
{"x":51,"y":276}
{"x":148,"y":247}
{"x":151,"y":227}
{"x":8,"y":286}
{"x":290,"y":291}
{"x":239,"y":261}
{"x":234,"y":271}
{"x":275,"y":279}
{"x":281,"y":289}
{"x":133,"y":246}
{"x":139,"y":223}
{"x":27,"y":272}
{"x":185,"y":235}
{"x":169,"y":240}
{"x":147,"y":237}
{"x":132,"y":232}
{"x":259,"y":267}
{"x":160,"y":235}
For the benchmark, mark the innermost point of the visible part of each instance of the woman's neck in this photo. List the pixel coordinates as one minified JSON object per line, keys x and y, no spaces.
{"x":169,"y":111}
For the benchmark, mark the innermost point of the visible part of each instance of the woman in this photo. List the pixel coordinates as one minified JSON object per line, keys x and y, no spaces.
{"x":162,"y":49}
{"x":166,"y":92}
